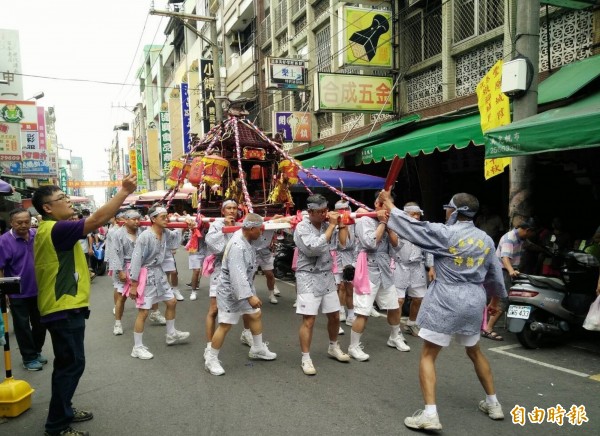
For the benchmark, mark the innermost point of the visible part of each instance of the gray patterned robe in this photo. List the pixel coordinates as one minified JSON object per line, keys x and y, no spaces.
{"x":149,"y":252}
{"x":378,"y":257}
{"x":123,"y":246}
{"x":216,"y":241}
{"x":314,"y":268}
{"x":235,"y":284}
{"x":464,"y":263}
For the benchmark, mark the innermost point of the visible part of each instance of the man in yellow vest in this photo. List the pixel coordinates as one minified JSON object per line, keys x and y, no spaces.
{"x":63,"y":280}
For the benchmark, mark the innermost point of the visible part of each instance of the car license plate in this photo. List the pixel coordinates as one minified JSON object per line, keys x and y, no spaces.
{"x":521,"y":312}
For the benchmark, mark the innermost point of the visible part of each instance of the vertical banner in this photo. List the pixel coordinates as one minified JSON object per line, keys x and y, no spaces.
{"x":185,"y":118}
{"x":208,"y":102}
{"x":166,"y":152}
{"x":139,"y":165}
{"x":35,"y":154}
{"x":494,"y":108}
{"x":62,"y":181}
{"x":10,"y":142}
{"x":132,"y":161}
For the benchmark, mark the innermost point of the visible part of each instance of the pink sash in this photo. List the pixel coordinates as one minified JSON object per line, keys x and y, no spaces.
{"x":361,"y":283}
{"x":208,"y":266}
{"x":141,"y":286}
{"x":334,"y":269}
{"x":295,"y":259}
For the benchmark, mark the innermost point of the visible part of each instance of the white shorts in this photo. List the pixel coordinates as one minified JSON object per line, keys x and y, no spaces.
{"x":308,"y":304}
{"x":443,"y":339}
{"x":119,"y":287}
{"x":168,"y":264}
{"x":149,"y":301}
{"x":265,"y":262}
{"x":195,"y":261}
{"x":387,"y":299}
{"x":416,"y":292}
{"x":234,"y":317}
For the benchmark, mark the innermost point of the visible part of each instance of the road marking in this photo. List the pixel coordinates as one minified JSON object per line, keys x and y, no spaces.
{"x":502,"y":350}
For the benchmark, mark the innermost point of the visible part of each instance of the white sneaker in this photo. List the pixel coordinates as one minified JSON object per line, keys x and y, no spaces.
{"x":494,"y":411}
{"x":117,"y":330}
{"x":157,"y":318}
{"x":177,"y":294}
{"x":246,"y":338}
{"x":295,"y":303}
{"x":374,"y":313}
{"x":193,"y":296}
{"x":350,"y":320}
{"x":206,"y":351}
{"x":114,"y":310}
{"x":398,"y":343}
{"x":308,"y":367}
{"x":276,"y":291}
{"x":342,"y":315}
{"x":262,"y":353}
{"x":273,"y":299}
{"x":420,"y":421}
{"x":177,"y":337}
{"x":213,"y":366}
{"x":336,"y":352}
{"x":341,"y":332}
{"x":357,"y":353}
{"x":141,"y":352}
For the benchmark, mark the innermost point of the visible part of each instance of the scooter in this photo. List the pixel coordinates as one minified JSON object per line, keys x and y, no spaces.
{"x":543,"y":308}
{"x":284,"y":256}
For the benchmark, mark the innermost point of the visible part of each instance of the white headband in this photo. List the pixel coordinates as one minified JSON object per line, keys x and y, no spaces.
{"x":417,"y":209}
{"x":248,"y":224}
{"x":131,"y":214}
{"x":158,"y":211}
{"x":227,"y":203}
{"x":342,"y":205}
{"x":316,"y":206}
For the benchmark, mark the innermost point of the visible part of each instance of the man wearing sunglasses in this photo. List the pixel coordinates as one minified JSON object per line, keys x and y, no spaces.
{"x":63,"y":281}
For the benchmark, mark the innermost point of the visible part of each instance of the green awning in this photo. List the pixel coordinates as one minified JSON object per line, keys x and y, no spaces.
{"x":333,"y":157}
{"x":566,"y":128}
{"x":568,"y":80}
{"x":310,"y":150}
{"x":457,"y":132}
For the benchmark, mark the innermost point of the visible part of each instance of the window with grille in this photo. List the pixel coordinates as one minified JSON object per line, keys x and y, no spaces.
{"x":476,"y":17}
{"x":323,"y":41}
{"x":325,"y":123}
{"x":422,"y":34}
{"x":320,"y":8}
{"x":281,"y":15}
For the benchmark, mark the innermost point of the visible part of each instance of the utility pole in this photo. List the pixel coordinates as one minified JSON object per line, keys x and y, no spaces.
{"x":527,"y":45}
{"x":213,"y":44}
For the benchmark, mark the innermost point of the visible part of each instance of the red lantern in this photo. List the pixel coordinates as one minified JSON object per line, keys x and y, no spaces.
{"x":195,"y":175}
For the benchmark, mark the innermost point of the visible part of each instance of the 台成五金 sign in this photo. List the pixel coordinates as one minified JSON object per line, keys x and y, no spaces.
{"x":353,"y":92}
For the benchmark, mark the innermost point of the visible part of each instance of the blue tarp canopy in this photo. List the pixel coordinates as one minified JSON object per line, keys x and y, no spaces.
{"x":346,"y":180}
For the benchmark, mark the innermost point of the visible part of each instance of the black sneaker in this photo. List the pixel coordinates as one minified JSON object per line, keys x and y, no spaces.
{"x":81,"y":415}
{"x":68,"y":432}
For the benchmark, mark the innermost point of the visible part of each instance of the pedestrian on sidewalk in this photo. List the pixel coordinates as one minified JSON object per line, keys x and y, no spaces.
{"x":454,"y":304}
{"x":63,"y":280}
{"x":16,"y":260}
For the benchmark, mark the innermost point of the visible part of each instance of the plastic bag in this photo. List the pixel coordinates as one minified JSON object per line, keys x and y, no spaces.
{"x":362,"y":286}
{"x":592,"y":320}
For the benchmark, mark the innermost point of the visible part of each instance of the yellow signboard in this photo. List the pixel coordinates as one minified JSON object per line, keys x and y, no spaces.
{"x":367,"y":37}
{"x":353,"y":92}
{"x":494,"y":109}
{"x":132,"y":161}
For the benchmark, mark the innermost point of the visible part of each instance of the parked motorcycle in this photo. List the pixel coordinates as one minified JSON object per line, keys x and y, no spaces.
{"x":284,"y":256}
{"x":541,"y":308}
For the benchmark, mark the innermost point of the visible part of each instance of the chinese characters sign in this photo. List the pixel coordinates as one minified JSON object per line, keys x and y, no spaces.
{"x":494,"y":108}
{"x":284,"y":73}
{"x":367,"y":37}
{"x":62,"y":180}
{"x":348,"y":92}
{"x":10,"y":62}
{"x":166,"y":152}
{"x":10,"y":142}
{"x":16,"y":111}
{"x":35,"y":153}
{"x":185,"y":118}
{"x":295,"y":126}
{"x":208,"y":102}
{"x":93,"y":184}
{"x":139,"y":166}
{"x":576,"y":415}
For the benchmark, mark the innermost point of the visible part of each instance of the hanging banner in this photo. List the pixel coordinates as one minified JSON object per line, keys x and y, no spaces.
{"x":35,"y":156}
{"x":132,"y":162}
{"x":208,"y":102}
{"x":494,"y":108}
{"x":166,"y":152}
{"x":139,"y":165}
{"x":294,"y":126}
{"x":185,"y":118}
{"x":94,"y":183}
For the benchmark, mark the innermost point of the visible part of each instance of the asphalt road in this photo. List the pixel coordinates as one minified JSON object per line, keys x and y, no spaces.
{"x":172,"y":394}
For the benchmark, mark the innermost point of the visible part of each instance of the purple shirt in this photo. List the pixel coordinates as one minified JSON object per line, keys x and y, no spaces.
{"x":16,"y":259}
